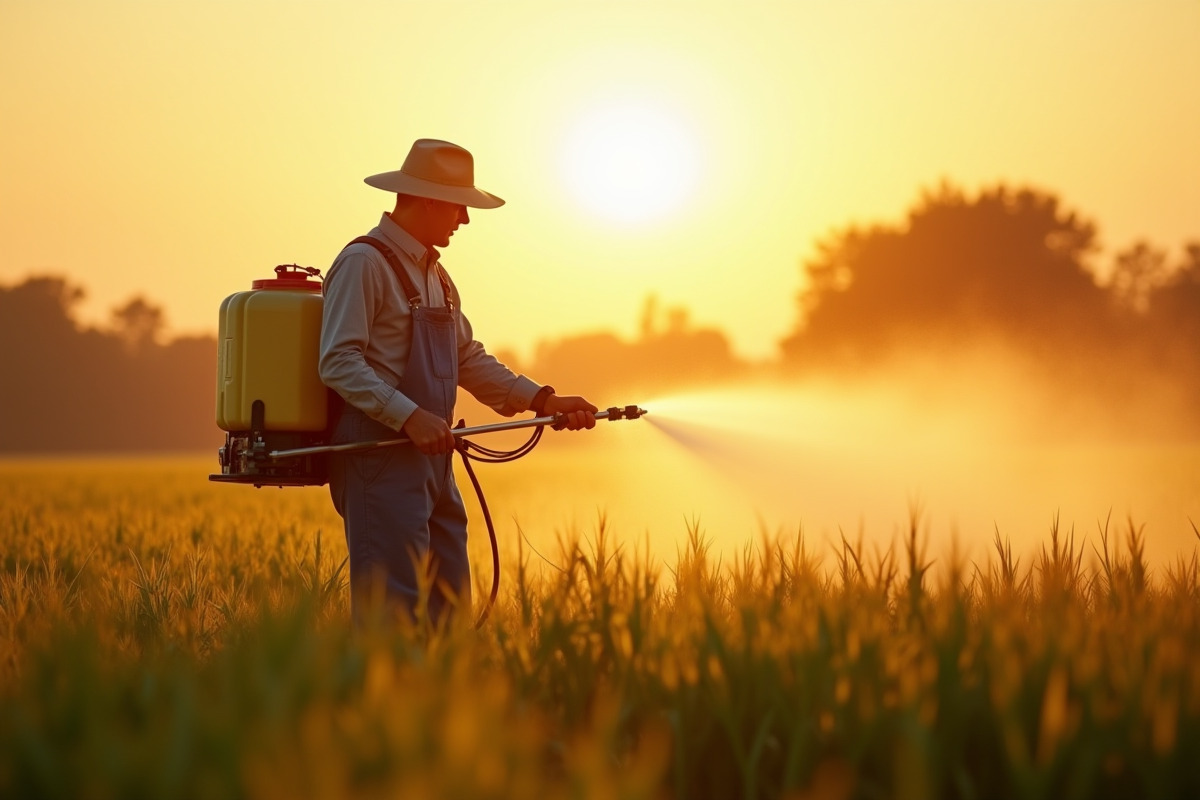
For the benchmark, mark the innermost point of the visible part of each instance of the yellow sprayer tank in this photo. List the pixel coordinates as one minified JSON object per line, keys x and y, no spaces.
{"x":268,"y":346}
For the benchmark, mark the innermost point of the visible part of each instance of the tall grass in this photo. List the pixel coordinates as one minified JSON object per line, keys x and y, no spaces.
{"x":159,"y":640}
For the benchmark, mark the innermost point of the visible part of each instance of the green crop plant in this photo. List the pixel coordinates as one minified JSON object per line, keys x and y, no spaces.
{"x":166,"y":638}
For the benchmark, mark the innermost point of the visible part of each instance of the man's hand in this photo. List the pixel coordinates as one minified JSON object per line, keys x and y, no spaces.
{"x":576,"y":412}
{"x":428,"y":432}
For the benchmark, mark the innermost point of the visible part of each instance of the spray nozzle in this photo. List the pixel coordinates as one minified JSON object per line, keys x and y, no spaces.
{"x":628,"y":412}
{"x":610,"y":414}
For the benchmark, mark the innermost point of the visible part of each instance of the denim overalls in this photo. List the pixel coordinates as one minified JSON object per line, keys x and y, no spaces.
{"x":400,"y":505}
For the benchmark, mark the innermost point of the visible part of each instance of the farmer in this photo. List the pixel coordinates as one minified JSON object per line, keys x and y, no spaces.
{"x":395,"y":346}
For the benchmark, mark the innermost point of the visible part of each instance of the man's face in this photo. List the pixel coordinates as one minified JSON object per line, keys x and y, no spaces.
{"x":441,"y":220}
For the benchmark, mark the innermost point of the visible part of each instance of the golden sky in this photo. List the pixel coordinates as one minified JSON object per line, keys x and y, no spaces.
{"x":691,"y":149}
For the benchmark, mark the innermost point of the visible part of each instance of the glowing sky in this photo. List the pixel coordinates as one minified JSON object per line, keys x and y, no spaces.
{"x":181,"y":150}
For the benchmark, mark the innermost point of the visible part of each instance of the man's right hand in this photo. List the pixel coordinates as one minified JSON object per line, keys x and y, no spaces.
{"x":428,"y":432}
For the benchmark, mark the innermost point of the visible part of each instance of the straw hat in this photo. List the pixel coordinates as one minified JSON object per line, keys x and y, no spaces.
{"x":438,"y":170}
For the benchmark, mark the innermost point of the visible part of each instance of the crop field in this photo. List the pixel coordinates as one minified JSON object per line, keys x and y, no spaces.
{"x":164,"y":637}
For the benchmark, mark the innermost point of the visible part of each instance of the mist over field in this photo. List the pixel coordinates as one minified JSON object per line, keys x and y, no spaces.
{"x":979,"y":367}
{"x":982,"y":448}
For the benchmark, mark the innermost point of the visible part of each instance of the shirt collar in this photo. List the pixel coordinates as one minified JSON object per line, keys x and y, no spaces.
{"x":403,"y":241}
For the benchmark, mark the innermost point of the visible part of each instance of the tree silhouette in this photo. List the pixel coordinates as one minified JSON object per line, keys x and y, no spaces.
{"x":138,"y":323}
{"x":43,"y":305}
{"x":669,"y":353}
{"x":76,"y":390}
{"x":1008,"y":263}
{"x":1137,"y":272}
{"x":1173,"y":313}
{"x":1176,"y":299}
{"x":598,"y":364}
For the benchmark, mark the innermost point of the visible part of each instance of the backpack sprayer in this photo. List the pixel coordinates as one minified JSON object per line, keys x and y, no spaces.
{"x":277,"y":414}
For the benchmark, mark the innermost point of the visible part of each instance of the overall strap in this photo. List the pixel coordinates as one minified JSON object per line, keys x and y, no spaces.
{"x":410,"y":291}
{"x":449,"y":291}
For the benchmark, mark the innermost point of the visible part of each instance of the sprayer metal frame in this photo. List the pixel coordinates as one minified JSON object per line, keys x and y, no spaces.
{"x":554,"y":421}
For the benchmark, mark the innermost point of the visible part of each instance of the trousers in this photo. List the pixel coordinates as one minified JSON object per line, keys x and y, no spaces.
{"x":404,"y":518}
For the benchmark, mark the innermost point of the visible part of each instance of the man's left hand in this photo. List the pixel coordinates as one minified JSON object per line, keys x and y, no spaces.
{"x":576,"y":412}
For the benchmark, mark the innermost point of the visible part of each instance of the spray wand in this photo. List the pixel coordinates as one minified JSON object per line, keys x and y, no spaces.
{"x":470,"y":451}
{"x":555,"y":421}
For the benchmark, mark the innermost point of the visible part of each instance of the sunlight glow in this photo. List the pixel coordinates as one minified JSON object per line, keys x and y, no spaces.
{"x":630,"y":162}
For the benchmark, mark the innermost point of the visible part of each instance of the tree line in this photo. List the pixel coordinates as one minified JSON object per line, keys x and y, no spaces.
{"x":1006,"y":265}
{"x":1012,"y":270}
{"x":120,"y":388}
{"x":74,"y":389}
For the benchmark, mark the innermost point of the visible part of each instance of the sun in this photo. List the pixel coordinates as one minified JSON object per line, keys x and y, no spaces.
{"x":631,"y":162}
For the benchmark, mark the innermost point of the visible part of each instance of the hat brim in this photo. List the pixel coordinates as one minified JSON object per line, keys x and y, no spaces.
{"x":401,"y":182}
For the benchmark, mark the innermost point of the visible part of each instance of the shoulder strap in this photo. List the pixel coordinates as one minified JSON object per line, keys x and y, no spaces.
{"x":410,"y":291}
{"x":449,"y":289}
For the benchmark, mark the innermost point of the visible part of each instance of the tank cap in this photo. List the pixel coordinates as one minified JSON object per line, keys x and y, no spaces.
{"x":291,"y":276}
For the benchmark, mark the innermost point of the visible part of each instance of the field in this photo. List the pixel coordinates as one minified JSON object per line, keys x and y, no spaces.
{"x":161,"y":636}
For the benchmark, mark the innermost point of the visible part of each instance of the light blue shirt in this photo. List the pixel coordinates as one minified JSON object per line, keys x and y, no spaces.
{"x":366,"y":332}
